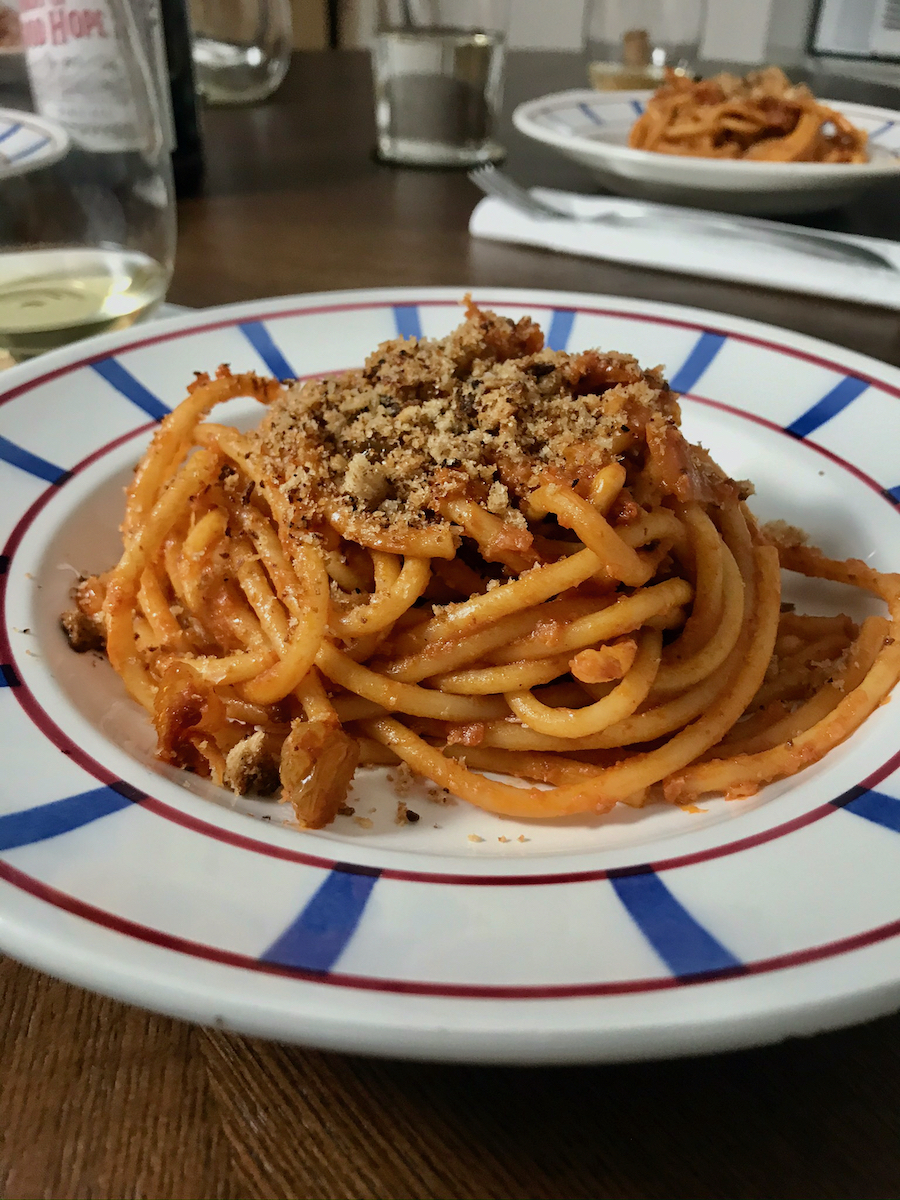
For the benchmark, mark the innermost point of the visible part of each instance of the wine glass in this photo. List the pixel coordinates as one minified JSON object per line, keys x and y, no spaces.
{"x":87,"y":215}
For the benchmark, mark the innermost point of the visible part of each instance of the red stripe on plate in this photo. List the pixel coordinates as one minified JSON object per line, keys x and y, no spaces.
{"x":229,"y":958}
{"x":275,"y":315}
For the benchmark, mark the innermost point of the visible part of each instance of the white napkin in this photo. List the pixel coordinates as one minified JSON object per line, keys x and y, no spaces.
{"x":681,"y":250}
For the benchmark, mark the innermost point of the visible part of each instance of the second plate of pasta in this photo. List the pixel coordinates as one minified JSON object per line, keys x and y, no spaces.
{"x":594,"y":127}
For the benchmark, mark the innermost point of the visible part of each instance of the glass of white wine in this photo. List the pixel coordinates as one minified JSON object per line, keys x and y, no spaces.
{"x":87,"y":228}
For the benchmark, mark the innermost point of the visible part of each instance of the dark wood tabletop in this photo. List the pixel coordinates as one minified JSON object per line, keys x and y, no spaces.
{"x":98,"y":1099}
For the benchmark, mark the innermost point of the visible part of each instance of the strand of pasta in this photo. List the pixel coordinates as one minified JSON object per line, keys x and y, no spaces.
{"x":489,"y":681}
{"x":498,"y":541}
{"x":708,"y":553}
{"x":176,"y":433}
{"x":619,"y":704}
{"x":622,"y":616}
{"x":677,"y":674}
{"x":845,"y":679}
{"x":443,"y":656}
{"x":392,"y":596}
{"x":615,"y":559}
{"x":124,"y":580}
{"x":808,"y":746}
{"x":405,"y":697}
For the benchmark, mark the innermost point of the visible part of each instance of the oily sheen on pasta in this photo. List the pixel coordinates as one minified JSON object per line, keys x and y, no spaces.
{"x":473,"y":555}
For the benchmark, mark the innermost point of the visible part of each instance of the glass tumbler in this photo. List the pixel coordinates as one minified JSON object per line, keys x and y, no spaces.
{"x":438,"y":74}
{"x":242,"y":48}
{"x":87,"y":213}
{"x":630,"y":43}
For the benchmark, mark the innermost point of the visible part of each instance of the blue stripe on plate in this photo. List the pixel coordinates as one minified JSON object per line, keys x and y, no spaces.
{"x":32,"y":463}
{"x":132,"y":389}
{"x":681,"y":942}
{"x":877,"y":807}
{"x":704,"y":351}
{"x":263,"y":343}
{"x":829,"y":406}
{"x":881,"y":129}
{"x":29,"y":150}
{"x":638,"y":107}
{"x":319,"y":936}
{"x":7,"y":133}
{"x":894,"y":493}
{"x":8,"y":676}
{"x":560,"y":329}
{"x":590,"y":114}
{"x":406,"y":318}
{"x":60,"y":816}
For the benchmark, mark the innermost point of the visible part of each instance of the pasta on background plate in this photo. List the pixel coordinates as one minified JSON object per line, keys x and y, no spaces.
{"x":761,"y":117}
{"x":472,"y":555}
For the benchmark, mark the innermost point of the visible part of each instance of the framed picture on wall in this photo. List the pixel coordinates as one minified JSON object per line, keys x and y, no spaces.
{"x":856,"y":29}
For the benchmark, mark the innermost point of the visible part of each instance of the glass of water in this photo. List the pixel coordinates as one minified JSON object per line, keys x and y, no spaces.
{"x":242,"y":48}
{"x":438,"y":74}
{"x":87,"y":214}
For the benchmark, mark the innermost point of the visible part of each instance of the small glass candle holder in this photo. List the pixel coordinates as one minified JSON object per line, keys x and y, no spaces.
{"x":630,"y":43}
{"x":242,"y":49}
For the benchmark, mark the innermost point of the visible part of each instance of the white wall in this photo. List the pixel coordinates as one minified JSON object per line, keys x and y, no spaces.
{"x":546,"y":24}
{"x":736,"y":30}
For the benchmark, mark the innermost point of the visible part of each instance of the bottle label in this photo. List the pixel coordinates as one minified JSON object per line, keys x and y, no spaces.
{"x":90,"y":69}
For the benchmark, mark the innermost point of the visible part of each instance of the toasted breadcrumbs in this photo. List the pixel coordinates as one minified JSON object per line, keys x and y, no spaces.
{"x":403,"y":780}
{"x":483,"y":412}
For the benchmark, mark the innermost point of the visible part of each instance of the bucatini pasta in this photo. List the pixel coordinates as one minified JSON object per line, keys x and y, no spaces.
{"x":472,"y":555}
{"x":761,"y":117}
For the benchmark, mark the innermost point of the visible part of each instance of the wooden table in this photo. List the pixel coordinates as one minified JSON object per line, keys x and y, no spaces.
{"x":101,"y":1100}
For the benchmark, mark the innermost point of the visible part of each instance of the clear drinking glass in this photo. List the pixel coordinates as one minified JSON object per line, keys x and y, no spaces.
{"x":242,"y":48}
{"x":631,"y":42}
{"x":87,"y":213}
{"x":438,"y":74}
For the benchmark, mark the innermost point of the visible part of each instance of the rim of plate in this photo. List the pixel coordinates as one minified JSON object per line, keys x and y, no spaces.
{"x":52,"y":142}
{"x":605,"y":1032}
{"x":524,"y":119}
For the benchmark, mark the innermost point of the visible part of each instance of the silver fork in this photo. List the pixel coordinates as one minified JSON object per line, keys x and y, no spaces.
{"x":663,"y":217}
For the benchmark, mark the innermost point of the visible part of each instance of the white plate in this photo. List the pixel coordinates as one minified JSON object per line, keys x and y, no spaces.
{"x":640,"y":934}
{"x":28,"y":142}
{"x":592,"y":127}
